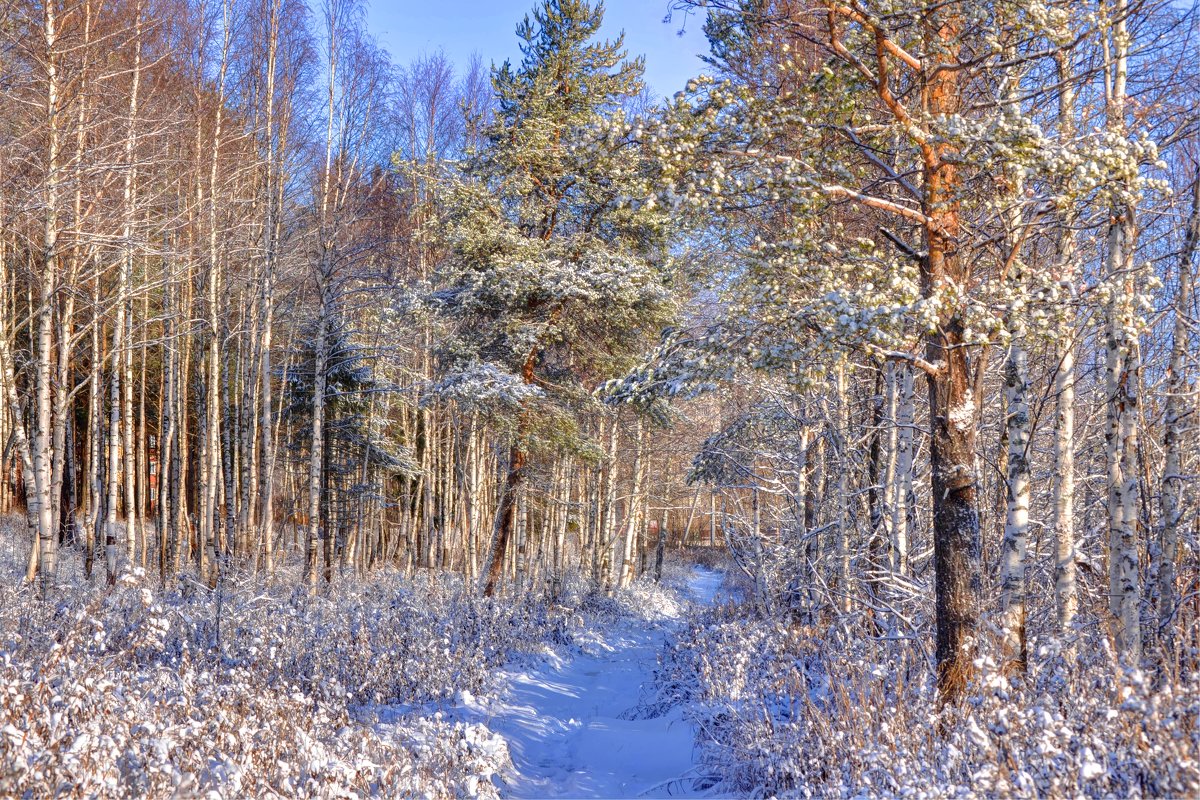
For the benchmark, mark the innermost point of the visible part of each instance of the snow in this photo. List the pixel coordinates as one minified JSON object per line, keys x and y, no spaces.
{"x":962,"y":416}
{"x":566,"y":719}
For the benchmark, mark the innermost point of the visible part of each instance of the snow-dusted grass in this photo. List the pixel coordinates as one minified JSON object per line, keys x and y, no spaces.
{"x":804,"y":711}
{"x":257,"y":690}
{"x":388,"y":686}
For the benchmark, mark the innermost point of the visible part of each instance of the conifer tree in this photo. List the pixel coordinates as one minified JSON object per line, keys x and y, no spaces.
{"x":856,"y":182}
{"x":552,"y":277}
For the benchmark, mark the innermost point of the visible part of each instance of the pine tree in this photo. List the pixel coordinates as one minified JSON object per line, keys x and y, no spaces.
{"x":553,"y":277}
{"x":855,"y":190}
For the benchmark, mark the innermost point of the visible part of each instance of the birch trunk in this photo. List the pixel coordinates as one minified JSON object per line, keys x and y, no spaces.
{"x":1013,"y":550}
{"x":902,"y":485}
{"x":1176,"y":429}
{"x":1015,"y":544}
{"x":633,"y":512}
{"x":42,"y":455}
{"x":94,"y":432}
{"x":842,"y":545}
{"x":1066,"y":601}
{"x":12,"y":403}
{"x":608,"y":510}
{"x":140,"y":501}
{"x":125,"y":315}
{"x":210,"y":453}
{"x":1121,"y":379}
{"x":317,"y":453}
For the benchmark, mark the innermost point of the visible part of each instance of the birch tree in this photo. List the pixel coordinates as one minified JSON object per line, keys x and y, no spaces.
{"x":1175,"y":429}
{"x":1121,"y":355}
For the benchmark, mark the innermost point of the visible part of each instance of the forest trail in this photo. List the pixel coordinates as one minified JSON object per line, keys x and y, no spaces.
{"x":563,"y":721}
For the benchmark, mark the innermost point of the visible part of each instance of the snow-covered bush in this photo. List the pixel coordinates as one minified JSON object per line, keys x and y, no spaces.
{"x":801,"y":711}
{"x":254,"y":690}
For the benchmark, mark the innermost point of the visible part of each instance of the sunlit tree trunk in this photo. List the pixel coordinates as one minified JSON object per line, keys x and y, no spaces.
{"x":317,"y":454}
{"x":1176,"y":429}
{"x":12,"y":405}
{"x":633,"y":513}
{"x":902,"y":483}
{"x":953,"y":413}
{"x":48,"y":286}
{"x":841,"y":433}
{"x":210,"y":459}
{"x":123,"y":357}
{"x":1121,"y":375}
{"x":1066,"y":601}
{"x":1015,"y":544}
{"x":276,"y":138}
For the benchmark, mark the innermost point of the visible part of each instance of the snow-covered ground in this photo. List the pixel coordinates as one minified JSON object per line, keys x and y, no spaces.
{"x":416,"y":686}
{"x":571,"y":721}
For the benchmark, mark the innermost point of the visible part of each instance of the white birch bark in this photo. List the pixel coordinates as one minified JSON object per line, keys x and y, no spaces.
{"x":276,"y":136}
{"x":1176,"y":429}
{"x":633,"y":513}
{"x":125,"y":353}
{"x":902,"y":484}
{"x":888,"y":484}
{"x":42,"y":455}
{"x":324,"y":272}
{"x":608,"y":523}
{"x":12,"y":403}
{"x":1014,"y":547}
{"x":1015,"y":544}
{"x":210,"y":447}
{"x":842,"y":545}
{"x":317,"y":453}
{"x":1121,"y":376}
{"x":1066,"y":600}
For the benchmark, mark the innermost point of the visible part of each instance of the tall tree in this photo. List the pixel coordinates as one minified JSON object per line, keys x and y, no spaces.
{"x":552,"y":276}
{"x":834,"y":144}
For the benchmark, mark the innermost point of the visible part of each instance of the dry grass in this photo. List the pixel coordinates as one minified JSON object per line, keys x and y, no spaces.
{"x":256,"y":691}
{"x":786,"y":710}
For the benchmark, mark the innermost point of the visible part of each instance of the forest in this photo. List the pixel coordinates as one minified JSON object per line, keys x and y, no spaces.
{"x":827,"y":427}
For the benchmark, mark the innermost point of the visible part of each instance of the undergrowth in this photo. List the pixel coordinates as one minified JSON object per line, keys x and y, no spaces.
{"x":252,"y":690}
{"x":806,"y":711}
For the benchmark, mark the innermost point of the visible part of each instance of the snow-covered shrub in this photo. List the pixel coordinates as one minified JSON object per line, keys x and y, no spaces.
{"x":254,"y":690}
{"x":785,"y":710}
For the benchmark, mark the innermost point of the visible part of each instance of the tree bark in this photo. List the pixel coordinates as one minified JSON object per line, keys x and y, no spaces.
{"x":1176,"y":431}
{"x":43,"y":456}
{"x":953,"y":414}
{"x":505,"y":517}
{"x":1066,"y":602}
{"x":1121,"y":379}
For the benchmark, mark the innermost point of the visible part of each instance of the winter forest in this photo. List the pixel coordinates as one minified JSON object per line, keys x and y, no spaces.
{"x":827,"y":427}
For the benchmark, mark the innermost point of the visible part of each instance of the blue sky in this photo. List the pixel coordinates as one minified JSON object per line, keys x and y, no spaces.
{"x":459,"y":27}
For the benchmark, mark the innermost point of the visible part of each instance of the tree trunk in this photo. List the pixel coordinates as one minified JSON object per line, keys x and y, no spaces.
{"x":316,"y":460}
{"x":1176,"y":428}
{"x":1066,"y":601}
{"x":1016,"y":527}
{"x":840,"y":437}
{"x":43,"y":455}
{"x":633,"y":510}
{"x":1121,"y":377}
{"x":952,"y":408}
{"x":505,"y":517}
{"x":1015,"y":543}
{"x":902,"y":487}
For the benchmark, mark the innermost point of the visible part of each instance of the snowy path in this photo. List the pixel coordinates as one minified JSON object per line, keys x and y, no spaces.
{"x":562,"y":718}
